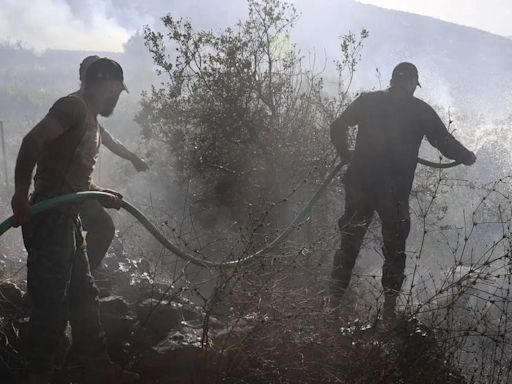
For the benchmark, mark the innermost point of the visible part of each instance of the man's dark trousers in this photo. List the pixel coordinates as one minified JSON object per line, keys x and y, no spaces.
{"x":61,"y":289}
{"x":392,"y":207}
{"x":100,"y":231}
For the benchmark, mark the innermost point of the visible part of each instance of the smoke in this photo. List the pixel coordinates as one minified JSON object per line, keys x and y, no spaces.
{"x":101,"y":25}
{"x":53,"y":24}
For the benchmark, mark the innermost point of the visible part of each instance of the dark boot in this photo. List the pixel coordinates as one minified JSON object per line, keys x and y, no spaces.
{"x":392,"y":279}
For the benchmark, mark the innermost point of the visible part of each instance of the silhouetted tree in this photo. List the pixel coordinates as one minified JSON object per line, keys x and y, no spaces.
{"x":238,"y":111}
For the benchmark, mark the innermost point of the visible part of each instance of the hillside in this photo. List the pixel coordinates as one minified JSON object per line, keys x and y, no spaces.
{"x":459,"y":66}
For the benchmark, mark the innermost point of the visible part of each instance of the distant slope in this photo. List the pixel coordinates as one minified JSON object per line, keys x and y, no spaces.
{"x":460,"y":66}
{"x":30,"y":83}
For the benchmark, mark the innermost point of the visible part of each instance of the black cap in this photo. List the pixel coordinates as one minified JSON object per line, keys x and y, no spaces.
{"x":85,"y":64}
{"x":104,"y":69}
{"x":406,"y":70}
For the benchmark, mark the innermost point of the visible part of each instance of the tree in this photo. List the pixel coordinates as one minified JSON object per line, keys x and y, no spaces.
{"x":241,"y":116}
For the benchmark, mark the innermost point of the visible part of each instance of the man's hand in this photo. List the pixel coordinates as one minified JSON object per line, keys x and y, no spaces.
{"x":111,"y":201}
{"x":471,"y":159}
{"x":139,"y":164}
{"x":20,"y":209}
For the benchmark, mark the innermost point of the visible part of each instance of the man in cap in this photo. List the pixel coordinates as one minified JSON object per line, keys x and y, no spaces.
{"x":95,"y":220}
{"x":64,"y":146}
{"x":391,"y":125}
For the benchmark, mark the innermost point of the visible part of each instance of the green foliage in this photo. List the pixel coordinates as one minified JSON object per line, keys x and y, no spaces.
{"x":237,"y":110}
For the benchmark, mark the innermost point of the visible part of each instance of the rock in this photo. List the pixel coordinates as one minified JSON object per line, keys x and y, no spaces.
{"x":11,"y":298}
{"x":115,"y":319}
{"x":13,"y":333}
{"x":229,"y":334}
{"x":118,"y":325}
{"x":158,"y":291}
{"x":103,"y":282}
{"x":179,"y":354}
{"x":113,"y":306}
{"x":169,"y":293}
{"x":159,"y":317}
{"x":124,"y":276}
{"x":190,"y":310}
{"x":179,"y":340}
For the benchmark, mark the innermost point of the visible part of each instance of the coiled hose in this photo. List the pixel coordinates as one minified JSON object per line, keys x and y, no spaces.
{"x":194,"y":258}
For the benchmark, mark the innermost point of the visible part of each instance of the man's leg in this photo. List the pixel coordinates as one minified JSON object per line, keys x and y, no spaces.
{"x":100,"y":231}
{"x":88,"y":338}
{"x":50,"y":243}
{"x":89,"y":347}
{"x":353,"y":225}
{"x":395,"y":229}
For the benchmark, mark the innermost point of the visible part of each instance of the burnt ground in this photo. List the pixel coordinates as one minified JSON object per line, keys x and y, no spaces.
{"x":155,"y":330}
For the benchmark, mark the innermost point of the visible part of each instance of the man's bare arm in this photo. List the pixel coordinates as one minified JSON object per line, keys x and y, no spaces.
{"x":31,"y":148}
{"x":117,"y":148}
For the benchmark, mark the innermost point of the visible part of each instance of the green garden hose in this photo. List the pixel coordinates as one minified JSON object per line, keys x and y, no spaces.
{"x":187,"y":256}
{"x":194,"y":257}
{"x":438,"y":165}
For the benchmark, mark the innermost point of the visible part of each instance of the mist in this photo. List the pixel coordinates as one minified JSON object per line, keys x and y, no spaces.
{"x":226,"y":203}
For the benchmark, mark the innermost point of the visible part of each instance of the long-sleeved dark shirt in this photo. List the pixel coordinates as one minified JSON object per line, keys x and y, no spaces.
{"x":391,"y":125}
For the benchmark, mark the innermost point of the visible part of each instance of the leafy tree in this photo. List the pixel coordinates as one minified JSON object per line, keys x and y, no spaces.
{"x":241,"y":116}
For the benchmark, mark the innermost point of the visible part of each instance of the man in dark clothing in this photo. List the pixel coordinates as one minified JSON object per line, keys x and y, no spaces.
{"x":64,"y":145}
{"x":391,"y":125}
{"x":95,"y":220}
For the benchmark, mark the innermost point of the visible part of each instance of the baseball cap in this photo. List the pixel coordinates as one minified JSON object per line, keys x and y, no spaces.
{"x":405,"y":70}
{"x":103,"y":69}
{"x":85,"y":64}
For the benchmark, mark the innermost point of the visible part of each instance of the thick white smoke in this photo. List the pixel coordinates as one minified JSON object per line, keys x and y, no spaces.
{"x":43,"y":24}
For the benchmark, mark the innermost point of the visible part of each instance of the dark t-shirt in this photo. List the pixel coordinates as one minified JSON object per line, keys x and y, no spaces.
{"x":67,"y":163}
{"x":391,"y":125}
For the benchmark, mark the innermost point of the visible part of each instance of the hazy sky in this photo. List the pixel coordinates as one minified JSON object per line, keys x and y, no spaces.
{"x":45,"y":24}
{"x":490,"y":15}
{"x":106,"y":24}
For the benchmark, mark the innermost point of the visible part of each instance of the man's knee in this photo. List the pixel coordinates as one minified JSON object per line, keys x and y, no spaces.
{"x":108,"y":226}
{"x":103,"y":228}
{"x":395,"y":234}
{"x":393,"y":269}
{"x":105,"y":225}
{"x":96,"y":220}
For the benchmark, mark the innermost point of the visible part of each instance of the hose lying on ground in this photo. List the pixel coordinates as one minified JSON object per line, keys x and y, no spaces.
{"x":194,"y":257}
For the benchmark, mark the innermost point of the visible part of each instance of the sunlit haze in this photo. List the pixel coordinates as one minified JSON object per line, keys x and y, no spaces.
{"x":491,"y":15}
{"x":103,"y":25}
